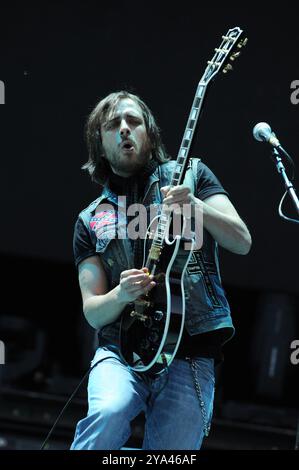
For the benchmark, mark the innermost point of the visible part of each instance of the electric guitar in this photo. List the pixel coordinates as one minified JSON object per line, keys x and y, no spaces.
{"x":151,"y":327}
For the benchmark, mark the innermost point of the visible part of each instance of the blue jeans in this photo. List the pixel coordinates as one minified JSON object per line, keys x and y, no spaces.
{"x":175,"y":418}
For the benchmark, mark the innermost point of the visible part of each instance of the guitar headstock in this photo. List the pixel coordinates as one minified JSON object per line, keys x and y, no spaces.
{"x":228,"y":51}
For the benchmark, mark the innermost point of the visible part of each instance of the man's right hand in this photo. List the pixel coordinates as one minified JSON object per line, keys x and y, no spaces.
{"x":134,"y":283}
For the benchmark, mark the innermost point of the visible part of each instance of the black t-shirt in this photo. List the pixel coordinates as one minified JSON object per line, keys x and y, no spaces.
{"x":206,"y":344}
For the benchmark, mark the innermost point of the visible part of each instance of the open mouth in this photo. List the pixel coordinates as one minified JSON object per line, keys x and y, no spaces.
{"x":127,"y":146}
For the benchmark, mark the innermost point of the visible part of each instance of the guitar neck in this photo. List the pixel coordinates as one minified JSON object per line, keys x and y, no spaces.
{"x":184,"y":151}
{"x":178,"y":173}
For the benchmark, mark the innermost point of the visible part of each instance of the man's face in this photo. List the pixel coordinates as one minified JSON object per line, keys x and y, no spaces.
{"x":124,"y":138}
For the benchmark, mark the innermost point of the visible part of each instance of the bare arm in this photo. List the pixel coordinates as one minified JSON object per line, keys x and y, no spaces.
{"x":101,"y":306}
{"x":220,"y":217}
{"x":223,"y":222}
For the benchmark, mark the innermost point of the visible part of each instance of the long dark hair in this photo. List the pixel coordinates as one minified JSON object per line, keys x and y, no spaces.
{"x":97,"y":166}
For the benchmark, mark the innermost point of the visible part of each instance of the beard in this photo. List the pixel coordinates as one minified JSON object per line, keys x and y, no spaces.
{"x":129,"y":164}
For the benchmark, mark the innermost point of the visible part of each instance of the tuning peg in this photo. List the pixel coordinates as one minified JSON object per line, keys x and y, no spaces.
{"x":242,"y":43}
{"x":227,"y":68}
{"x":235,"y":55}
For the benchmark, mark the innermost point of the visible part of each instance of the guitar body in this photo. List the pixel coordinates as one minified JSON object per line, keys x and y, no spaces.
{"x":152,"y":326}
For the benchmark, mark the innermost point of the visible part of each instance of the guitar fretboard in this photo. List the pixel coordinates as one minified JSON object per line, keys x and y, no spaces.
{"x":188,"y":135}
{"x":181,"y":162}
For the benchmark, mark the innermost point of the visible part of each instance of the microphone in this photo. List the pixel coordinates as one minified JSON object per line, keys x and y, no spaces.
{"x":263,"y":133}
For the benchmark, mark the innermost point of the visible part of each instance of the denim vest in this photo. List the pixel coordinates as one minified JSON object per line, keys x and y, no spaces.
{"x":207,"y":308}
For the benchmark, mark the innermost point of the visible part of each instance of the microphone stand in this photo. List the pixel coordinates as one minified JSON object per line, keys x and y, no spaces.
{"x":290,"y":188}
{"x":288,"y":185}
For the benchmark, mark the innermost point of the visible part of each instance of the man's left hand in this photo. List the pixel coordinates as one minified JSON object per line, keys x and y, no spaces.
{"x":175,"y":197}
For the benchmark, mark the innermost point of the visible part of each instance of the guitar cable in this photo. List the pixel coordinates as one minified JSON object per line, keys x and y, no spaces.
{"x":71,"y":397}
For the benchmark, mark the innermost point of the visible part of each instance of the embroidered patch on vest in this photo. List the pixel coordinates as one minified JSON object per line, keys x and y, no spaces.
{"x":104,"y":224}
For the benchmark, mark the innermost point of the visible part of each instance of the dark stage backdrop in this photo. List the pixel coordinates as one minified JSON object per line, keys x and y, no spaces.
{"x":58,"y":59}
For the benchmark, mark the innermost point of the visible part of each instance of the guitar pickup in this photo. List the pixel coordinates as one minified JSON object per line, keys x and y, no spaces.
{"x":142,"y":303}
{"x":139,"y":316}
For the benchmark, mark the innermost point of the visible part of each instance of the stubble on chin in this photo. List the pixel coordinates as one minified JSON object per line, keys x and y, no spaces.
{"x":130,"y":166}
